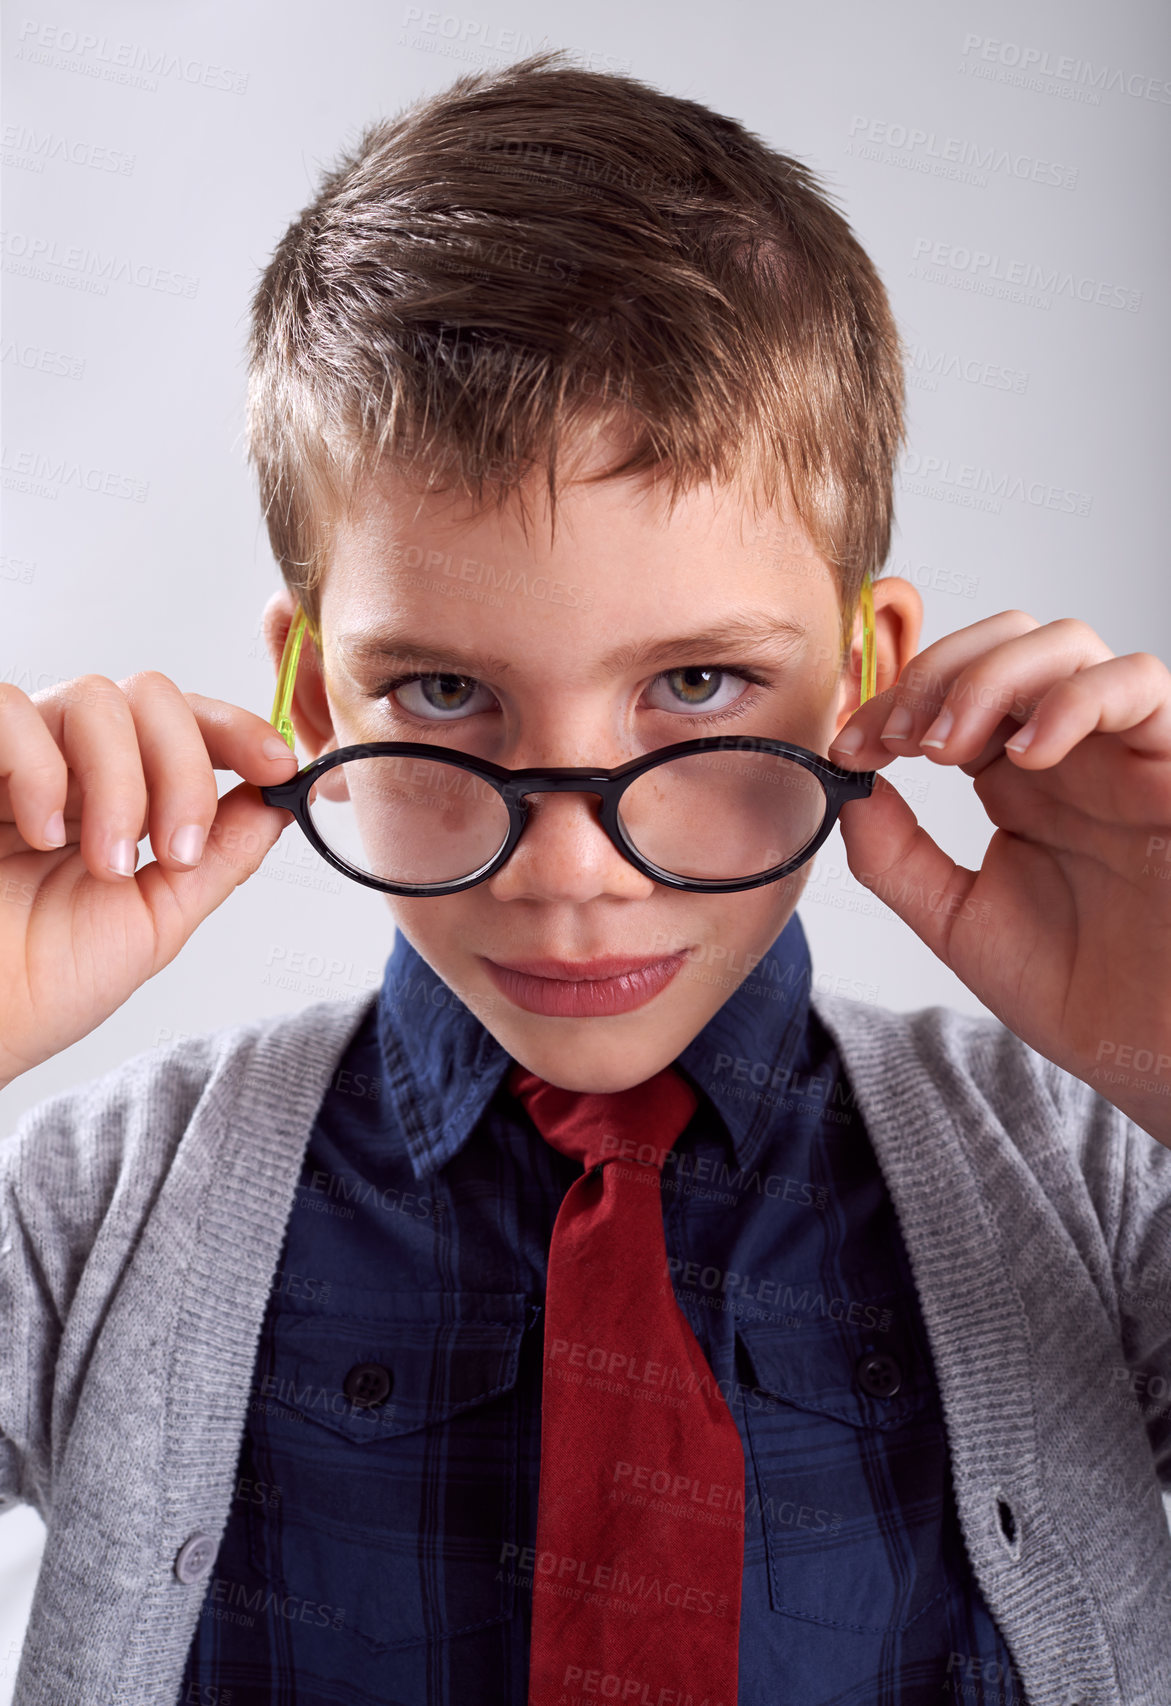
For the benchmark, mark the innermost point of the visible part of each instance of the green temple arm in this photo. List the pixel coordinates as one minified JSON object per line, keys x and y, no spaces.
{"x":866,"y":598}
{"x":287,"y":675}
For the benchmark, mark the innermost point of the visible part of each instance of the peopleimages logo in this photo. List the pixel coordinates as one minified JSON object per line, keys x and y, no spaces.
{"x":38,"y":474}
{"x":1036,"y":63}
{"x":31,"y":149}
{"x":955,"y":261}
{"x":925,"y":368}
{"x":919,"y":149}
{"x":67,"y":49}
{"x":94,"y":270}
{"x":986,"y":488}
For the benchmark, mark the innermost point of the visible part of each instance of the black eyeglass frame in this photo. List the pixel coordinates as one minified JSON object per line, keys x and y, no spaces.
{"x":841,"y":786}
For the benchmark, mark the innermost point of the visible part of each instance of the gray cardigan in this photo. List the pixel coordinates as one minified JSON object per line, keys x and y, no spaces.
{"x":141,"y":1221}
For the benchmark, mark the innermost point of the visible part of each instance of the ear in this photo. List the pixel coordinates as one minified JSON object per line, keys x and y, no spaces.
{"x":310,"y":708}
{"x":898,"y":622}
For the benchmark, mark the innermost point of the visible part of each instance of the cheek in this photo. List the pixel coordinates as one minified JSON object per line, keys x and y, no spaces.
{"x":356,"y":718}
{"x":731,"y":932}
{"x":440,"y":929}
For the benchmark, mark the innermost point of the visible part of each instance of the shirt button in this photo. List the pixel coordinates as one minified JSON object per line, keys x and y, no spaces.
{"x":194,"y":1558}
{"x":367,"y":1384}
{"x":878,"y":1374}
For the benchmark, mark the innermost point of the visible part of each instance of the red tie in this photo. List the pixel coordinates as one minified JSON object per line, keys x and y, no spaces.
{"x":640,"y":1520}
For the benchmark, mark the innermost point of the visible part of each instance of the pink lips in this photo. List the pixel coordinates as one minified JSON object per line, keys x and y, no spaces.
{"x":583,"y":989}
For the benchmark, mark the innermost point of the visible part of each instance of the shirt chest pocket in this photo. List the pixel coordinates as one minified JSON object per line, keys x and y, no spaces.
{"x":848,"y":1472}
{"x":390,"y":1440}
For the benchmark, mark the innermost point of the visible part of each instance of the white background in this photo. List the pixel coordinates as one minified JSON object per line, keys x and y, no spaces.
{"x":229,"y":116}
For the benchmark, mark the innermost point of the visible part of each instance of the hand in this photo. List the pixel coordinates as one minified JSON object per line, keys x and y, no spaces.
{"x":111,"y":760}
{"x":1065,"y":930}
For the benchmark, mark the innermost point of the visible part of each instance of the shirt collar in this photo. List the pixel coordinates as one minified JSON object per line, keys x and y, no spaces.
{"x":443,"y":1066}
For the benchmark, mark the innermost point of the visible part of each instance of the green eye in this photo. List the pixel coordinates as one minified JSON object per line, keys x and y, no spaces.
{"x":695,"y":685}
{"x":704,"y":690}
{"x":437,"y":696}
{"x":446,"y":692}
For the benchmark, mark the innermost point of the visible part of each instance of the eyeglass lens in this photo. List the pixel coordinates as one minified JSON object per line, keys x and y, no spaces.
{"x":715,"y":816}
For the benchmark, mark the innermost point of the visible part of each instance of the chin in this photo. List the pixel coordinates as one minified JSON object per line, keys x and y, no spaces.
{"x":591,"y":1055}
{"x":572,"y":1074}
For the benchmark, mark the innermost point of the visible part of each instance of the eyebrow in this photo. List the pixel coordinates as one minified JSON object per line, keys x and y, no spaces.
{"x":755,"y":629}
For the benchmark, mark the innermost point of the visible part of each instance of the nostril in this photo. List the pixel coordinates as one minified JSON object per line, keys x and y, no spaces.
{"x":1007,"y":1520}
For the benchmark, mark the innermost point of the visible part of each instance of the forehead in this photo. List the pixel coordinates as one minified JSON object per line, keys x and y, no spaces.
{"x":616,"y":564}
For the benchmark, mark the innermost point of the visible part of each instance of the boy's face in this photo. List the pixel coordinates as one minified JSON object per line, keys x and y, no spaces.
{"x":583,"y":651}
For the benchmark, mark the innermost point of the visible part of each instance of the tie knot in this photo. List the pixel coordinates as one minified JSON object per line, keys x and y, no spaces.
{"x":640,"y":1124}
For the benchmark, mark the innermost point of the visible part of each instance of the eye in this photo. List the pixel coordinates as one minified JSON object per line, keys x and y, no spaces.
{"x":697,"y":687}
{"x":439,"y":698}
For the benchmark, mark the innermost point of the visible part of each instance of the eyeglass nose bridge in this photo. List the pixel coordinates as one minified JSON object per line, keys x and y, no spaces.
{"x":605,"y":785}
{"x":565,"y":779}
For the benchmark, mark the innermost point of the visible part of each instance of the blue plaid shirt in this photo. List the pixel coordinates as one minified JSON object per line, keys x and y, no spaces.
{"x":380,"y":1546}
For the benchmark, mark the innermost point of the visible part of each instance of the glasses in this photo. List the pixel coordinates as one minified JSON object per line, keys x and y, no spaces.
{"x":712,"y":815}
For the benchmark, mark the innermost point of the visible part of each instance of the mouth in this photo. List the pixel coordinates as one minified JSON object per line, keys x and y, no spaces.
{"x":582,"y":989}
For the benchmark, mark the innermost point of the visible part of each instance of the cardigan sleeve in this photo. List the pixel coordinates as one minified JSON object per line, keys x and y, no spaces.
{"x":1142,"y":1262}
{"x":81,"y":1167}
{"x":1128,"y":1174}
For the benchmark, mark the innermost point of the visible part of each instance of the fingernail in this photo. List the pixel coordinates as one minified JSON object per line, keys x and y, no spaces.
{"x":54,"y":832}
{"x":1019,"y":741}
{"x":848,"y":741}
{"x":124,"y":857}
{"x":274,"y":747}
{"x":937,"y":734}
{"x":187,"y":843}
{"x":898,"y":725}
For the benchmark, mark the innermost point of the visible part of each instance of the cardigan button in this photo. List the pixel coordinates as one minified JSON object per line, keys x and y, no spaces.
{"x":195,"y":1558}
{"x":878,"y":1374}
{"x":367,"y":1384}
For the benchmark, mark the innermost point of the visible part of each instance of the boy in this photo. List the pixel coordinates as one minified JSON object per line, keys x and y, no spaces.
{"x":343,"y":1356}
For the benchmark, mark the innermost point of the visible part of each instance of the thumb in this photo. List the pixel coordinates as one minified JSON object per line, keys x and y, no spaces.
{"x":242,"y":833}
{"x":892,"y":855}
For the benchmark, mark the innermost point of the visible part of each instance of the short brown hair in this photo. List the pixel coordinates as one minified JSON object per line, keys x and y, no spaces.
{"x":542,"y":250}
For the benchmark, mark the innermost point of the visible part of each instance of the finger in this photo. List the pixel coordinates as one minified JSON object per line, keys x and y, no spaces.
{"x":242,"y":833}
{"x":923,"y":681}
{"x":892,"y":855}
{"x":240,"y":740}
{"x":952,"y":719}
{"x":180,"y":781}
{"x":100,"y":745}
{"x":231,"y":738}
{"x":235,"y":738}
{"x":1100,"y":787}
{"x":1004,"y":686}
{"x":33,"y":770}
{"x":1129,"y":696}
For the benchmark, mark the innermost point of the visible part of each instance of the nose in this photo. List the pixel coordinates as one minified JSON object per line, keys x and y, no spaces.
{"x":564,"y":854}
